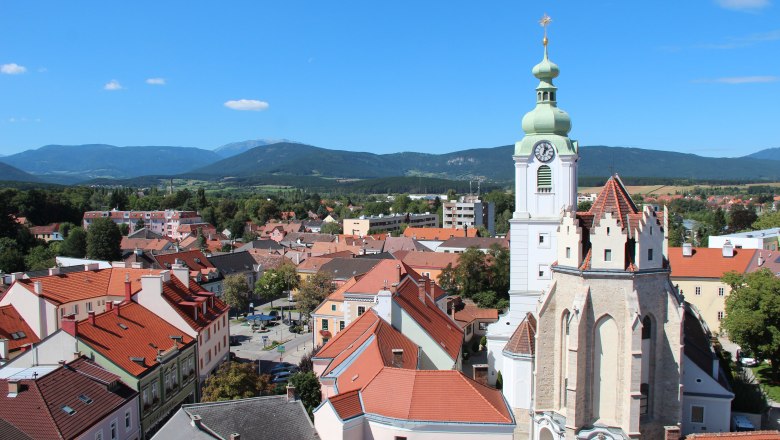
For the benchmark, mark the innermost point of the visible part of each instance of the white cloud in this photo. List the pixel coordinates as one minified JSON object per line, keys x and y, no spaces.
{"x":741,"y":79}
{"x":247,"y":105}
{"x":155,"y":81}
{"x":743,"y":5}
{"x":112,"y":85}
{"x":12,"y":69}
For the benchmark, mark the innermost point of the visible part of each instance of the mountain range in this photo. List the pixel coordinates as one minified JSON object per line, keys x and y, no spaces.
{"x":288,"y":161}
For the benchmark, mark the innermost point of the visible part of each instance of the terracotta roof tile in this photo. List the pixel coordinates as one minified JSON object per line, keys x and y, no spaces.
{"x":754,"y":435}
{"x":194,"y":259}
{"x":14,"y":328}
{"x":347,"y":405}
{"x":708,"y":262}
{"x":614,"y":199}
{"x":176,"y":293}
{"x":435,"y":396}
{"x":471,"y":312}
{"x":429,"y":260}
{"x":77,"y":286}
{"x":523,"y":340}
{"x":116,"y":336}
{"x":438,"y":233}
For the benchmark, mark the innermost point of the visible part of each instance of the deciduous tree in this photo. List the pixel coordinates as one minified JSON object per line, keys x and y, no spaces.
{"x":103,"y":240}
{"x":232,"y":381}
{"x":307,"y":387}
{"x":236,"y":292}
{"x":753,"y":314}
{"x":75,"y":245}
{"x":275,"y":282}
{"x":313,"y":291}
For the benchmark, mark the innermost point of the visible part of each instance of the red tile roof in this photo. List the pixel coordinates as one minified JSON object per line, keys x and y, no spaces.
{"x":77,"y":286}
{"x":435,"y":396}
{"x":37,"y":409}
{"x":708,"y":262}
{"x":194,"y":259}
{"x":13,"y":326}
{"x":523,"y":340}
{"x":117,"y":335}
{"x":429,"y":260}
{"x":45,"y":230}
{"x":471,"y":312}
{"x":147,"y":244}
{"x":438,"y":233}
{"x":436,"y":323}
{"x":613,"y":199}
{"x":347,"y":405}
{"x":176,"y":293}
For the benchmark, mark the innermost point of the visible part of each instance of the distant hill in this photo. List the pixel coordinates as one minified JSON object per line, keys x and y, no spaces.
{"x":767,"y":154}
{"x":13,"y":174}
{"x":495,"y":164}
{"x":234,"y":148}
{"x":74,"y":163}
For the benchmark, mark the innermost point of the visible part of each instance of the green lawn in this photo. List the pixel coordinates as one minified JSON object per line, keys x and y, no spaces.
{"x":771,"y":386}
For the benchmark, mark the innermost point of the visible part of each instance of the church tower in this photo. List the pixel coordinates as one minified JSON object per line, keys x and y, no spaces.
{"x":545,"y":185}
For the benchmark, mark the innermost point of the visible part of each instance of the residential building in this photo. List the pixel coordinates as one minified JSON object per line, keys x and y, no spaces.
{"x":697,"y":273}
{"x":151,"y":356}
{"x":362,"y":225}
{"x":180,"y":301}
{"x":473,"y":320}
{"x":342,"y":269}
{"x":256,"y":418}
{"x":429,"y":264}
{"x":205,"y":273}
{"x":396,"y":244}
{"x":43,"y":301}
{"x":15,"y":334}
{"x":77,"y":399}
{"x":469,"y":212}
{"x":416,"y":404}
{"x":165,"y":223}
{"x":766,"y":239}
{"x":47,"y":233}
{"x":156,"y":245}
{"x":458,"y":245}
{"x":238,"y":263}
{"x":431,"y":238}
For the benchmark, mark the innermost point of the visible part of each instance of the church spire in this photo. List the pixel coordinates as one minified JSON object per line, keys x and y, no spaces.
{"x":546,"y":118}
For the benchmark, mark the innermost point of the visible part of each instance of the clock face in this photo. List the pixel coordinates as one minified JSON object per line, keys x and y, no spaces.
{"x":544,"y":151}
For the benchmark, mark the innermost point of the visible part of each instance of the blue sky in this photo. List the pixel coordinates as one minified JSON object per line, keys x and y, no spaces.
{"x":698,"y":76}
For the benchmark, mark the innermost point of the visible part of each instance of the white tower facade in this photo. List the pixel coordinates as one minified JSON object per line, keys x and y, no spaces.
{"x":545,"y":185}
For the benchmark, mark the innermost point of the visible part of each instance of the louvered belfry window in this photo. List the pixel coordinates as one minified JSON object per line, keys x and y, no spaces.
{"x":544,"y":179}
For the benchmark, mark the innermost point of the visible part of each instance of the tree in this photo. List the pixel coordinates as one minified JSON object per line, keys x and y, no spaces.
{"x":584,"y":205}
{"x":741,"y":218}
{"x":307,"y":387}
{"x":140,"y":224}
{"x":313,"y":291}
{"x":469,"y":277}
{"x":330,"y":228}
{"x":75,"y":245}
{"x":124,"y":229}
{"x":753,"y":314}
{"x":275,"y":282}
{"x":767,"y":220}
{"x":39,"y":258}
{"x":11,"y":259}
{"x":236,"y":292}
{"x":232,"y":381}
{"x":498,"y":270}
{"x":103,"y":240}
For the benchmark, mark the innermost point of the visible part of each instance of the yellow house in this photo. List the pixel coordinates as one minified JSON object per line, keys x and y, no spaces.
{"x":697,"y":273}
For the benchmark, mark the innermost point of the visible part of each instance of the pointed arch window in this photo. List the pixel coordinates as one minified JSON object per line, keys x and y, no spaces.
{"x":544,"y":179}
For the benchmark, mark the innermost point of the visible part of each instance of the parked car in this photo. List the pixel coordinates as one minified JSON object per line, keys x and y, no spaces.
{"x":284,"y":376}
{"x":275,"y":313}
{"x":748,"y":361}
{"x":282,"y":367}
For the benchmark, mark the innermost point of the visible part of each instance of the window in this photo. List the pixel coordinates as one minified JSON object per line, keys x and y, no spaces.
{"x":333,"y":307}
{"x":568,"y":252}
{"x":341,"y":325}
{"x":146,"y":396}
{"x":62,"y":312}
{"x":647,"y":328}
{"x":721,"y":291}
{"x":89,"y":306}
{"x":361,"y":310}
{"x":697,"y":290}
{"x":650,"y":254}
{"x":113,"y":430}
{"x":541,"y":238}
{"x":324,"y":324}
{"x":644,"y":389}
{"x":155,"y":392}
{"x":75,"y":309}
{"x":607,"y":254}
{"x":398,"y":437}
{"x":483,"y":326}
{"x":697,"y":414}
{"x":128,"y":423}
{"x":468,"y":329}
{"x":99,"y":435}
{"x":544,"y":271}
{"x":720,"y":316}
{"x":544,"y":179}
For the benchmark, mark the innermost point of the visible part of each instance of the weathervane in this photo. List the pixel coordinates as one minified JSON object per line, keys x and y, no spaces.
{"x":544,"y":22}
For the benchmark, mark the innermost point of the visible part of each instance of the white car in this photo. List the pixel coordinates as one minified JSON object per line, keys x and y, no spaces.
{"x":748,"y":362}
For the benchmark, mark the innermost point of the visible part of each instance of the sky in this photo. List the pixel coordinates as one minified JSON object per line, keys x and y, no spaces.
{"x":695,"y":76}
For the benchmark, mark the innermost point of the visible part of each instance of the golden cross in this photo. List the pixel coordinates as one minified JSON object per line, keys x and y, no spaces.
{"x":544,"y":22}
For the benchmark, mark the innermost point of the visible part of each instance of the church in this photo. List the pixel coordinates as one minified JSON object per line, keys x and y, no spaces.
{"x":597,"y":342}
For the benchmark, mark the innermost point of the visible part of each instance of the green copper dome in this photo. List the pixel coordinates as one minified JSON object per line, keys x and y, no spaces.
{"x":546,"y":117}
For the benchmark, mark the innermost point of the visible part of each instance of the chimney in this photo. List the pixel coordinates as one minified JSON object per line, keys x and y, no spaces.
{"x":235,"y":436}
{"x":4,"y":349}
{"x":728,"y":249}
{"x":128,"y":289}
{"x":116,"y":308}
{"x":109,"y":306}
{"x":17,"y":276}
{"x":290,"y":393}
{"x":428,"y":285}
{"x":54,"y":270}
{"x":384,"y":305}
{"x":136,"y":265}
{"x":91,"y":318}
{"x":91,"y":266}
{"x":671,"y":433}
{"x":196,"y":421}
{"x":181,"y":272}
{"x":166,"y":276}
{"x":138,"y":252}
{"x":43,"y":327}
{"x":398,"y":357}
{"x":687,"y":250}
{"x":481,"y":373}
{"x":14,"y":387}
{"x":760,"y":259}
{"x":421,"y":291}
{"x":68,"y":324}
{"x":38,"y":288}
{"x":398,"y":267}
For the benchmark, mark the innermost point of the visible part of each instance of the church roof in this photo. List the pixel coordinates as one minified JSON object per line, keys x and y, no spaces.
{"x":522,"y":340}
{"x":613,"y":199}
